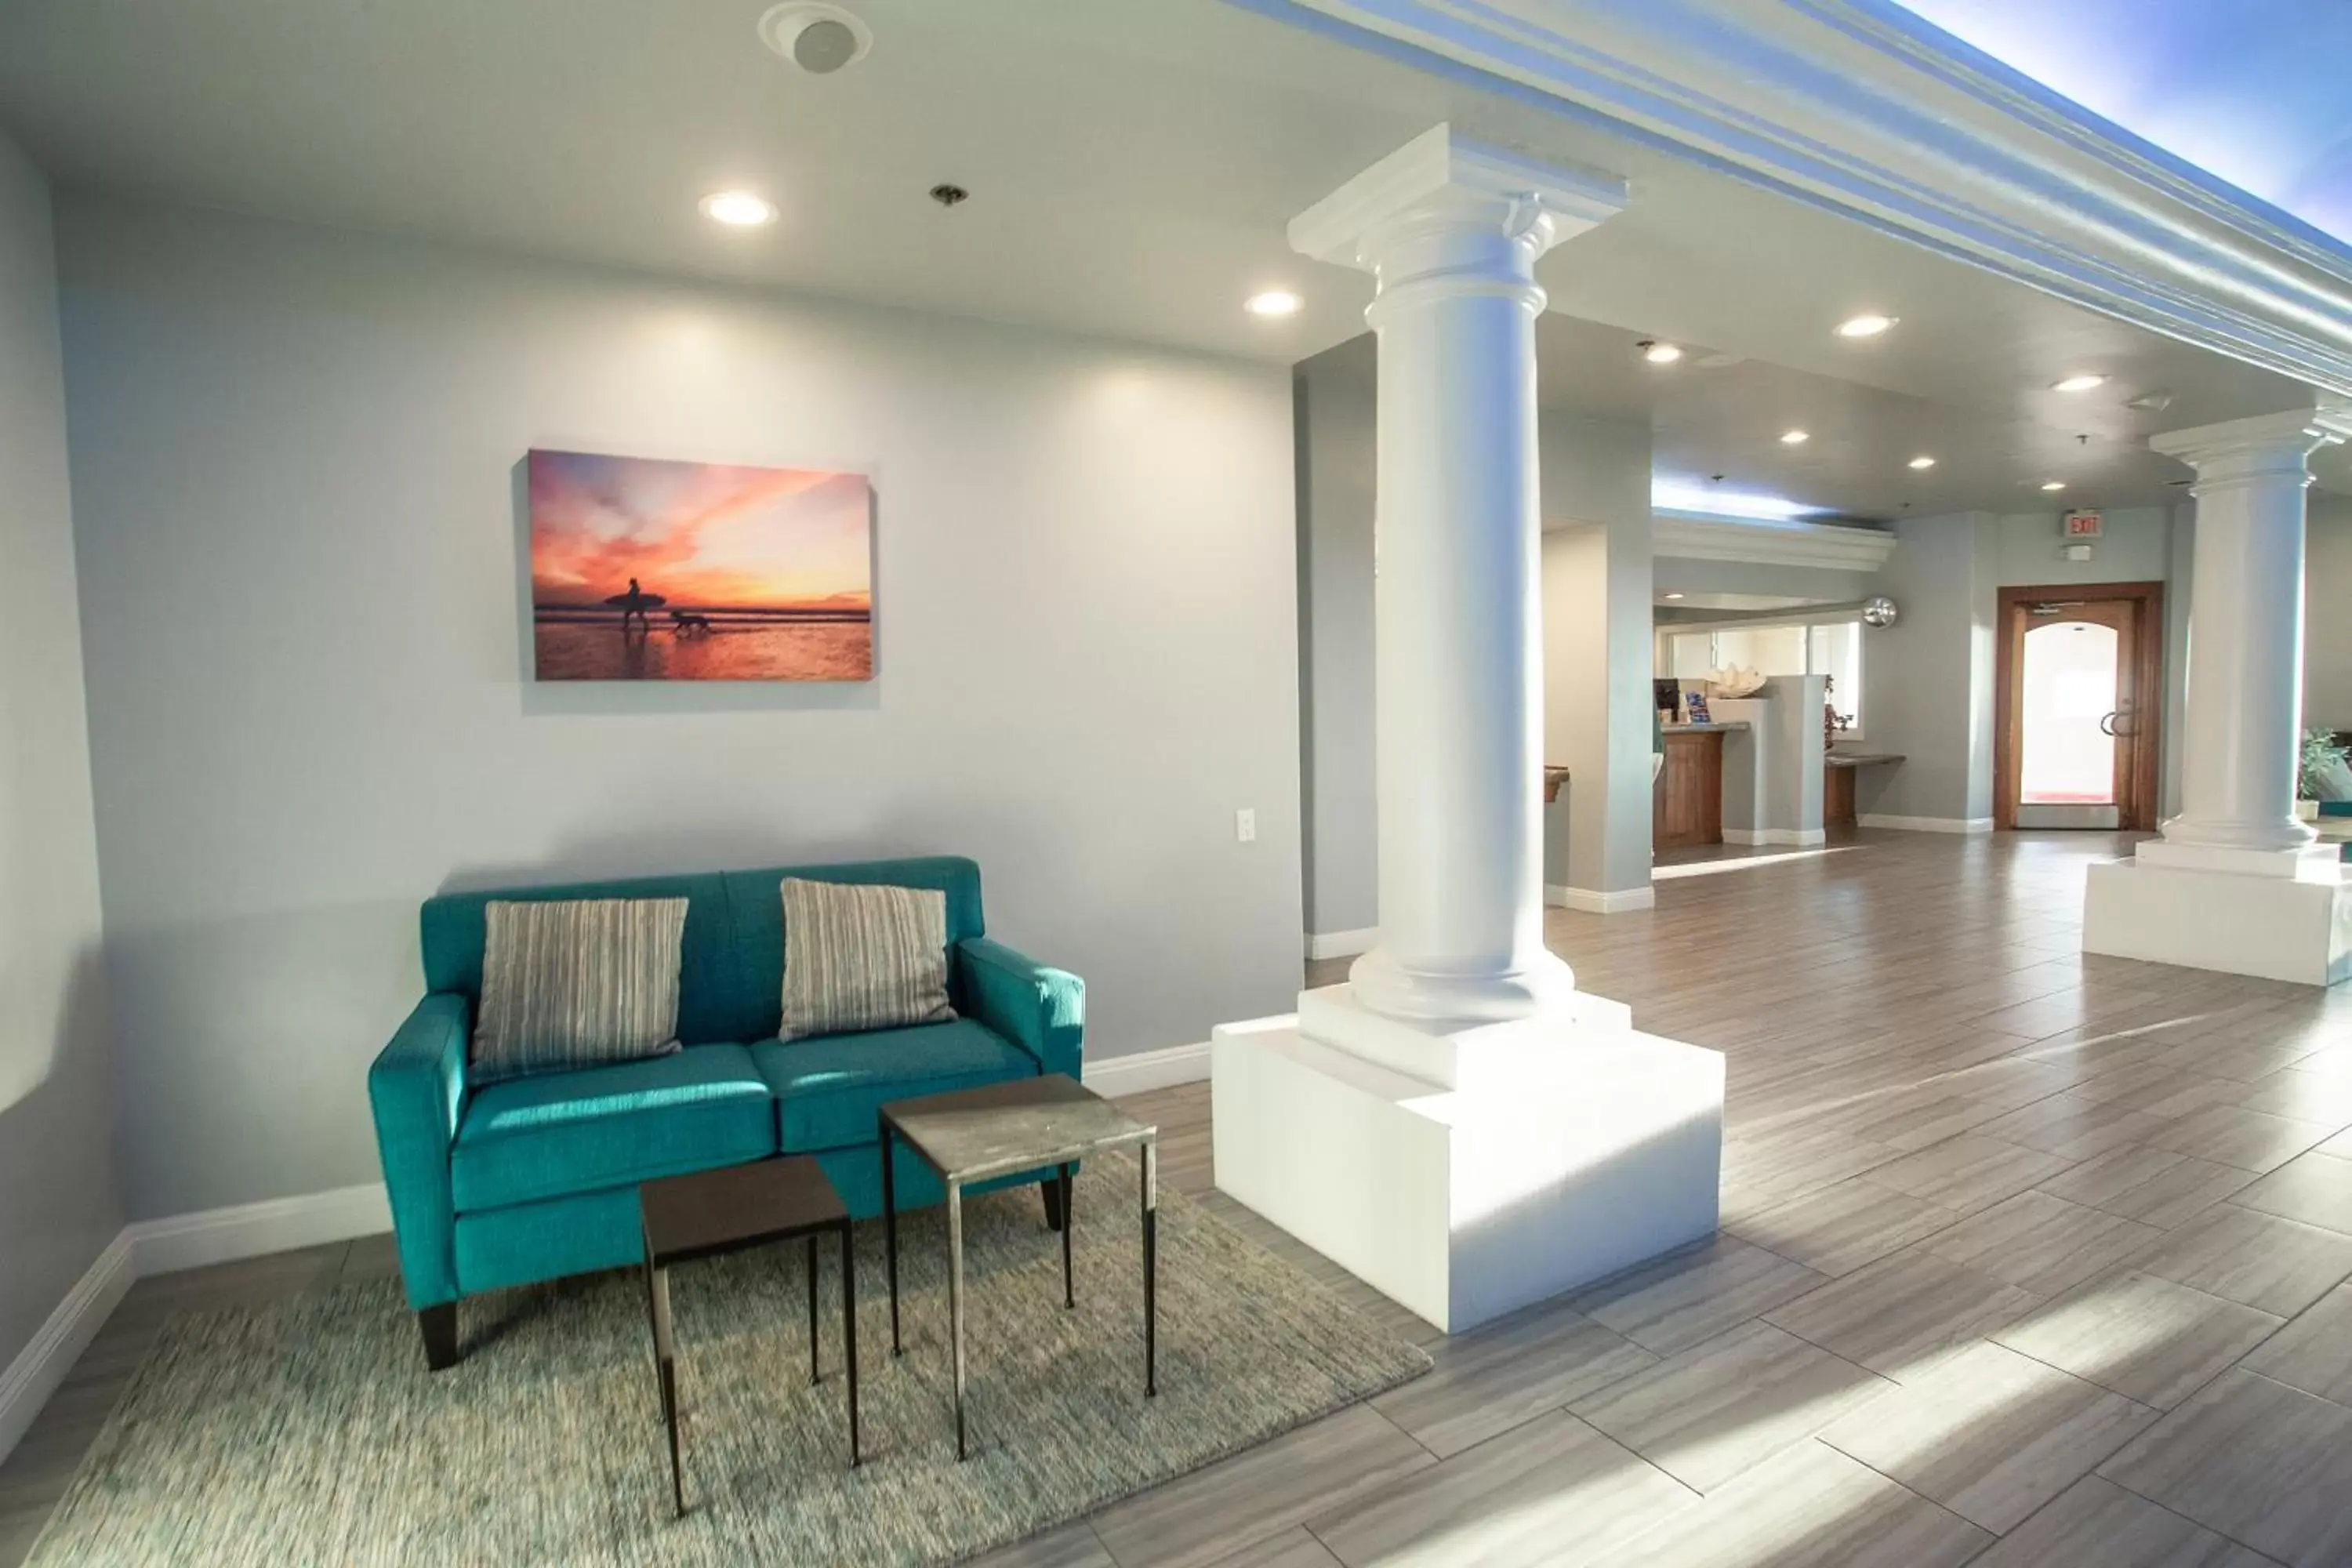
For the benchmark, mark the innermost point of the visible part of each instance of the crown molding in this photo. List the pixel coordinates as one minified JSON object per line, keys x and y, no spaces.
{"x":1862,"y":107}
{"x":1699,"y":536}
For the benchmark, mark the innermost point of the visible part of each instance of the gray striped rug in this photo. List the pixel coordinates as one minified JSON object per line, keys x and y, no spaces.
{"x":310,"y":1432}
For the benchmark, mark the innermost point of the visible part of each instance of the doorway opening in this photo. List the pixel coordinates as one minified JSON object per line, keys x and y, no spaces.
{"x":2077,"y":707}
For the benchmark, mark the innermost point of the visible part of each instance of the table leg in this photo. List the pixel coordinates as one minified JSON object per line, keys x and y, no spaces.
{"x":890,"y":1235}
{"x":817,"y":1372}
{"x":955,"y":1302}
{"x":1150,"y":1270}
{"x":665,"y":1361}
{"x":1069,"y":1290}
{"x":849,"y":1332}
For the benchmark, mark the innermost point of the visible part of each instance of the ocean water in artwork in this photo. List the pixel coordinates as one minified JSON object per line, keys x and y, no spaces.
{"x":738,"y":646}
{"x":646,"y":568}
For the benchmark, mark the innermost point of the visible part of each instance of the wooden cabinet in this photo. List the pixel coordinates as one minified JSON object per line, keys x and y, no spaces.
{"x":1687,"y":808}
{"x":1837,"y":796}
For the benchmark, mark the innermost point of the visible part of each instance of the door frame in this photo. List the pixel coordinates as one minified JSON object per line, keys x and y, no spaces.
{"x":2136,"y":803}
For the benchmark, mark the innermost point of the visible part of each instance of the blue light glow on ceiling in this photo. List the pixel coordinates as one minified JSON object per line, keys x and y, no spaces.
{"x":2253,"y":90}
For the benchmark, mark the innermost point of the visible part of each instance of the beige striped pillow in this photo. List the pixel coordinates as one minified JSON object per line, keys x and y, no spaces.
{"x":577,"y":983}
{"x":862,"y":955}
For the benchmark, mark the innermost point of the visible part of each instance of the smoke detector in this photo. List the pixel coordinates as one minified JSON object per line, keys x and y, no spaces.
{"x":818,"y":38}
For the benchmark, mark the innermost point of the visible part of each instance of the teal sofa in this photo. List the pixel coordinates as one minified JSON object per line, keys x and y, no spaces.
{"x":535,"y":1178}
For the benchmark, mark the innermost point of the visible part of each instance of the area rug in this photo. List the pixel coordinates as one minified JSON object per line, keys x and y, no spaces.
{"x":309,"y":1431}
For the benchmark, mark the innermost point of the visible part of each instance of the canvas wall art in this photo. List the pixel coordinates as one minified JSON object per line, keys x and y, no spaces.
{"x":647,"y":569}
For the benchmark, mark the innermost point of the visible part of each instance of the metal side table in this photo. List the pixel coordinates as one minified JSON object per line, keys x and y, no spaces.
{"x":707,"y":1212}
{"x":1000,"y":1129}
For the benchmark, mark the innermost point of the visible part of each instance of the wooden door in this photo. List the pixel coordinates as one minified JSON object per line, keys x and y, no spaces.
{"x":2078,"y":702}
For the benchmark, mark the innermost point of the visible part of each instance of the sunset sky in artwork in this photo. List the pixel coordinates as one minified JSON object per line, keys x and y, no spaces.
{"x":701,"y":535}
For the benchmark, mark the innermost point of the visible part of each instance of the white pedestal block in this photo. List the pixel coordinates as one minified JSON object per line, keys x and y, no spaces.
{"x":2295,"y":927}
{"x":1540,"y":1170}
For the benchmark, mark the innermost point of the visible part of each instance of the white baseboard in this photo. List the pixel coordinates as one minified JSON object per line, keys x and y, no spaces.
{"x":1801,"y":837}
{"x":1927,"y":824}
{"x":1341,"y":944}
{"x":1593,"y":902}
{"x":27,"y":1382}
{"x":1140,"y":1070}
{"x":248,"y":1230}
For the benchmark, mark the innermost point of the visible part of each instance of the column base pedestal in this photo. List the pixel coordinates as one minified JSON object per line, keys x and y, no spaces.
{"x":1539,"y":1171}
{"x":2297,"y":927}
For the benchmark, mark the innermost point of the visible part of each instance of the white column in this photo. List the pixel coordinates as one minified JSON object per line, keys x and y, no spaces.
{"x":1459,"y":1125}
{"x":2239,"y":741}
{"x":1451,"y":230}
{"x":2236,"y":883}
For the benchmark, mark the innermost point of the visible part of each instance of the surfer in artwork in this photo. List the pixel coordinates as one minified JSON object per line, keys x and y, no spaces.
{"x":634,"y":604}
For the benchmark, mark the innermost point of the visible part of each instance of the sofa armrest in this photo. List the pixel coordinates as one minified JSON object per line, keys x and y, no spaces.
{"x":417,"y":1091}
{"x":1042,"y":1010}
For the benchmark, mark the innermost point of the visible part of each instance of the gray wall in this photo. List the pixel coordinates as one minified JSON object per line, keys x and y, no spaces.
{"x":1947,"y":574}
{"x":57,"y":1203}
{"x":1336,"y":470}
{"x":2136,"y":546}
{"x":295,"y":453}
{"x":1927,"y":680}
{"x":1595,"y":568}
{"x":2328,"y":614}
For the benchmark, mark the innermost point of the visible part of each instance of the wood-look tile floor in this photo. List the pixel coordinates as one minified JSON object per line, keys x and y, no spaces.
{"x":2027,"y":1258}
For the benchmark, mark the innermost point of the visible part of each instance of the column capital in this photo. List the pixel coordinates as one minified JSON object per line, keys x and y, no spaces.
{"x":1440,"y":180}
{"x":2267,"y":443}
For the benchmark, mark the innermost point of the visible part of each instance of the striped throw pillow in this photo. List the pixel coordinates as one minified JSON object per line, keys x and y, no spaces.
{"x":577,"y":983}
{"x":861,"y":955}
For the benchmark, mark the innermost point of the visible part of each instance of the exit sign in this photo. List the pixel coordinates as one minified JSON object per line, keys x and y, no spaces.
{"x":2082,"y":525}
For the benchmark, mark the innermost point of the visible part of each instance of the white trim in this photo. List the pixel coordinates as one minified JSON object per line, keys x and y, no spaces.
{"x":1926,"y":823}
{"x":1341,"y":944}
{"x":29,"y":1381}
{"x":1697,"y":536}
{"x":1594,"y":902}
{"x":1865,"y":110}
{"x":1802,"y":838}
{"x":249,"y":1230}
{"x":1138,"y":1071}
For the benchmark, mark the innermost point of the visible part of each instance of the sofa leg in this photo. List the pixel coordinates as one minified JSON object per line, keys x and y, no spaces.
{"x":1052,"y":1189}
{"x":439,"y":1326}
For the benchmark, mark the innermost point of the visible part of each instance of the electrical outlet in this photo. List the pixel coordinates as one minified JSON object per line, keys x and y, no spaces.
{"x":1245,"y":825}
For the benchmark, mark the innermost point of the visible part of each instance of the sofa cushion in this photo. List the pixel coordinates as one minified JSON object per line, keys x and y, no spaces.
{"x":862,"y":956}
{"x":558,"y":1133}
{"x":576,"y":983}
{"x":831,"y":1086}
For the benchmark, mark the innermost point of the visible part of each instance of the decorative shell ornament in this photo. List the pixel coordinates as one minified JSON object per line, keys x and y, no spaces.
{"x":1733,"y":682}
{"x":1879,"y":611}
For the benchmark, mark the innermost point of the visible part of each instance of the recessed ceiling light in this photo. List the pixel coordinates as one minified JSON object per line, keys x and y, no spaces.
{"x":1272,"y":303}
{"x":2083,"y":382}
{"x":1795,"y":438}
{"x":1923,"y":461}
{"x":1673,"y":596}
{"x":2054,"y":485}
{"x":739,"y":209}
{"x":1867,"y":325}
{"x":1660,"y":353}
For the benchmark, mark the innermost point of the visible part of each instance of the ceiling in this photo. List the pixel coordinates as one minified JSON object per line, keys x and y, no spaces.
{"x":1993,"y":449}
{"x":2250,"y":89}
{"x":1132,"y":164}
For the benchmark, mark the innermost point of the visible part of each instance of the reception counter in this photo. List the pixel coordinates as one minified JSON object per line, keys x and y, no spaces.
{"x":1687,"y":806}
